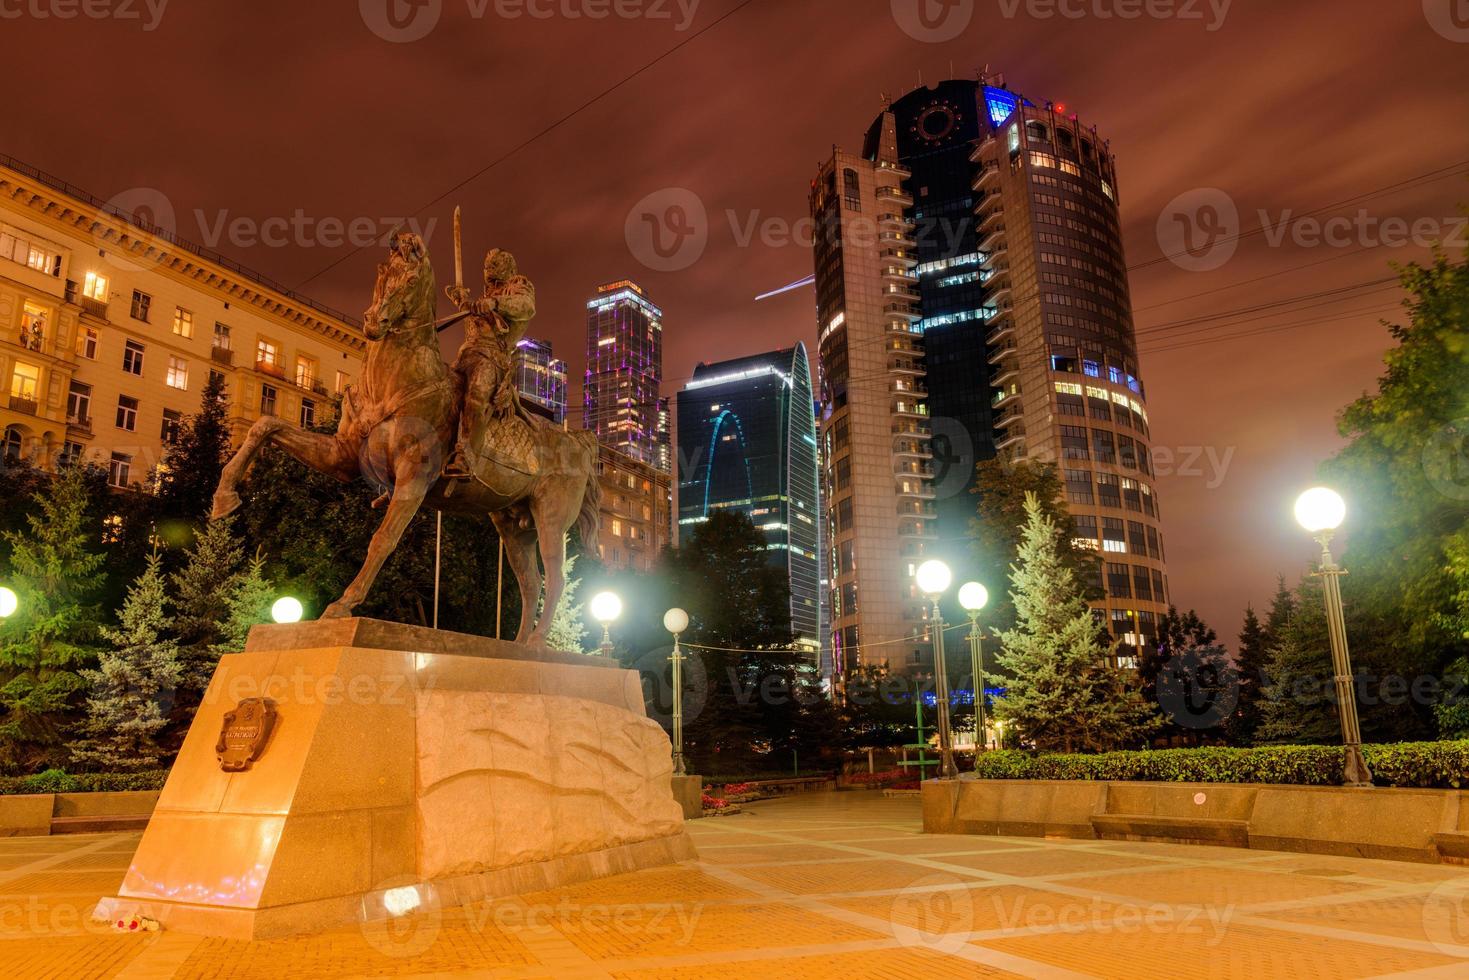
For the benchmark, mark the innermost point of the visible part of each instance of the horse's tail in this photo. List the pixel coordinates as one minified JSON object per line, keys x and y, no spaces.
{"x":589,"y":520}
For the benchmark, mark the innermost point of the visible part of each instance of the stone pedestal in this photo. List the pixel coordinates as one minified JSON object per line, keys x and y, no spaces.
{"x":406,"y":769}
{"x":689,"y":792}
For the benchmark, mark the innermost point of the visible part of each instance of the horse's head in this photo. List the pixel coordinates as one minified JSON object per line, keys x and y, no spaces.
{"x":403,"y":298}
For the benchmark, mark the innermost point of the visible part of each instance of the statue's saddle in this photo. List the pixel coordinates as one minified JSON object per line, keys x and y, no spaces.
{"x":511,"y":443}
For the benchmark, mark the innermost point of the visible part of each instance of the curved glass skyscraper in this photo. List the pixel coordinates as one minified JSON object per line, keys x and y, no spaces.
{"x":747,"y":443}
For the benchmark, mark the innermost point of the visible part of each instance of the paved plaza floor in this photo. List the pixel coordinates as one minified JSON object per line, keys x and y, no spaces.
{"x":830,"y":885}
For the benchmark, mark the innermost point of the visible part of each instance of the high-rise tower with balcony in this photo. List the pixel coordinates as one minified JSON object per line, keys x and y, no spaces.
{"x":985,"y":312}
{"x":541,"y":378}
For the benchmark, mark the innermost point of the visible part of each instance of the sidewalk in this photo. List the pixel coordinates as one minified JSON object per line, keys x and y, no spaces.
{"x":825,"y":885}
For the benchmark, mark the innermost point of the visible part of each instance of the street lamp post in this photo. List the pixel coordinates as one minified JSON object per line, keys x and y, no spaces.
{"x":934,"y":578}
{"x":1321,"y":511}
{"x":606,"y":608}
{"x":974,"y":597}
{"x":676,"y":621}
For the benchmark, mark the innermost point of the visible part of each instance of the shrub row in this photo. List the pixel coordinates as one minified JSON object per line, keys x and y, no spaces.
{"x":1411,"y":764}
{"x":57,"y":781}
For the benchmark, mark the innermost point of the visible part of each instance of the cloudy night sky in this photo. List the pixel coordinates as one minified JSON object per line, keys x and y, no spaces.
{"x":274,"y":109}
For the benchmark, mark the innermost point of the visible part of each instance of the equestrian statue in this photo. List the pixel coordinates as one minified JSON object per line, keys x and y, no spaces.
{"x":455,"y":440}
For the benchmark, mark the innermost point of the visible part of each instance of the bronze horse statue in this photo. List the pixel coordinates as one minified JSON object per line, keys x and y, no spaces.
{"x":395,"y":429}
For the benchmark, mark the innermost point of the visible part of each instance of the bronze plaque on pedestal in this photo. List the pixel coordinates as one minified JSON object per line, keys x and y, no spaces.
{"x":244,"y":733}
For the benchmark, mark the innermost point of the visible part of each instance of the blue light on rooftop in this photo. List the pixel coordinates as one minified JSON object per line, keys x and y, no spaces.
{"x":1000,"y":103}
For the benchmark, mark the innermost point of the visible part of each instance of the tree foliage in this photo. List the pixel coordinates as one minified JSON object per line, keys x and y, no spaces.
{"x":998,"y":527}
{"x":1063,"y":693}
{"x":1405,"y":475}
{"x":192,"y":465}
{"x":57,"y":575}
{"x":131,"y":691}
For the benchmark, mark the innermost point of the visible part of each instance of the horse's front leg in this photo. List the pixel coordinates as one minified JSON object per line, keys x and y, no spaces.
{"x":414,"y":474}
{"x":226,"y":495}
{"x":322,"y":453}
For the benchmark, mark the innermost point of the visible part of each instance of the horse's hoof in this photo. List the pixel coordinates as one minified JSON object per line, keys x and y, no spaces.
{"x":226,"y":502}
{"x":337,"y":610}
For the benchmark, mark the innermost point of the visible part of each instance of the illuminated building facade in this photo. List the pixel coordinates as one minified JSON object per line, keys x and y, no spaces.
{"x":747,"y":443}
{"x":636,"y":521}
{"x":110,"y":328}
{"x":541,"y":378}
{"x":624,"y":372}
{"x":987,"y":315}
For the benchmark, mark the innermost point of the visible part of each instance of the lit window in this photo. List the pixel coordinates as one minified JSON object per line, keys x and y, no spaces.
{"x":87,"y":342}
{"x":222,"y":336}
{"x":178,"y":373}
{"x":617,"y":528}
{"x":267,"y":353}
{"x":342,"y":382}
{"x":305,"y":372}
{"x":24,"y":381}
{"x":95,"y":287}
{"x":183,"y":322}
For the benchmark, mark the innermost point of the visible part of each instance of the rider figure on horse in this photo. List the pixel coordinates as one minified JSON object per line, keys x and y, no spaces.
{"x":486,"y":360}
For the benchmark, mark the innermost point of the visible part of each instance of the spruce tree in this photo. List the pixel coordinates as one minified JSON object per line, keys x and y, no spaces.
{"x":56,"y":575}
{"x":133,"y":687}
{"x":1249,"y":665}
{"x":191,"y":466}
{"x":204,"y":587}
{"x":1299,"y":708}
{"x":1063,"y":695}
{"x":568,"y":626}
{"x":249,"y":605}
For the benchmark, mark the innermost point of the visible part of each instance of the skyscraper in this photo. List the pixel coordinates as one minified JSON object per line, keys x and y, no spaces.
{"x":986,"y":314}
{"x":747,"y":443}
{"x":541,"y":378}
{"x":624,"y":372}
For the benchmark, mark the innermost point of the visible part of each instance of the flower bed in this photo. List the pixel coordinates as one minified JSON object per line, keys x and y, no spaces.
{"x":1408,"y":764}
{"x":877,"y":778}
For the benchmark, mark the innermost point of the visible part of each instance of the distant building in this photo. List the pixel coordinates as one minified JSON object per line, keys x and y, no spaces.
{"x":747,"y":444}
{"x":541,"y":378}
{"x":110,"y":328}
{"x":636,"y":522}
{"x":621,"y":396}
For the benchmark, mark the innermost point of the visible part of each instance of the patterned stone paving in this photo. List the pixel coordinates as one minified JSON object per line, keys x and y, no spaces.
{"x":831,"y":885}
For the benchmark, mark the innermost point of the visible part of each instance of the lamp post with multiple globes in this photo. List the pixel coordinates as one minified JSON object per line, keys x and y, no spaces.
{"x":1321,"y":511}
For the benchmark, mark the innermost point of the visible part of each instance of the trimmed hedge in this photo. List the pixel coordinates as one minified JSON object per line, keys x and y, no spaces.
{"x":57,"y":781}
{"x":1443,"y":765}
